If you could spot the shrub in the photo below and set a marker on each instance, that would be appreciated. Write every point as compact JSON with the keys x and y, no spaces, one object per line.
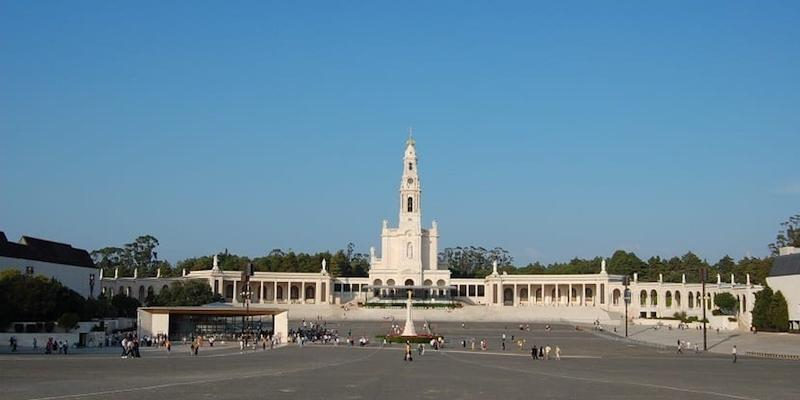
{"x":779,"y":312}
{"x":726,"y":303}
{"x":68,"y":321}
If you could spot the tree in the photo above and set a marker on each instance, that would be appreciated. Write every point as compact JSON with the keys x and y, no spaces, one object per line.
{"x":779,"y":312}
{"x":726,"y":303}
{"x":189,"y":293}
{"x":472,"y":261}
{"x":788,"y":236}
{"x":624,"y":263}
{"x":68,"y":321}
{"x":761,"y":309}
{"x":125,"y":306}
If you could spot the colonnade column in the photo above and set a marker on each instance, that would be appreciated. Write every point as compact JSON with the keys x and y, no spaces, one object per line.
{"x":569,"y":295}
{"x":531,"y":295}
{"x":558,"y":294}
{"x":261,"y":296}
{"x":542,"y":293}
{"x":583,"y":294}
{"x":235,"y":291}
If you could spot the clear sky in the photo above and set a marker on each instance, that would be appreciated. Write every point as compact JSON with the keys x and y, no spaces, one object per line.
{"x":552,"y":130}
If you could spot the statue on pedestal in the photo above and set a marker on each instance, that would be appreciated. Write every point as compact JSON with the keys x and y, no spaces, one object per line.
{"x":408,"y":329}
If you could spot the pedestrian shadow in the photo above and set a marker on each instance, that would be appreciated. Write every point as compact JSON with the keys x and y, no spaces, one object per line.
{"x":723,"y":340}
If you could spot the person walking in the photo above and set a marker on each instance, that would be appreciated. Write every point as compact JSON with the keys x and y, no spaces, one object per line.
{"x":733,"y":352}
{"x":534,"y":352}
{"x":558,"y":353}
{"x":547,"y":350}
{"x":407,"y":352}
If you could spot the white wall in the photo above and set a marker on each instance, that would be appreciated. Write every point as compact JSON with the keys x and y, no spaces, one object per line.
{"x":75,"y":278}
{"x":789,"y":285}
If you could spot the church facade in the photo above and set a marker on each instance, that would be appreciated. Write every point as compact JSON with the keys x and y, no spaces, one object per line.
{"x":408,"y":261}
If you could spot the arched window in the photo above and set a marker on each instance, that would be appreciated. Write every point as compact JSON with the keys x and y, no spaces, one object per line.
{"x":409,"y":282}
{"x":410,"y":203}
{"x":677,"y":298}
{"x":294,"y":293}
{"x":643,"y":298}
{"x":279,"y":292}
{"x":410,"y":166}
{"x":310,"y":292}
{"x":691,"y":300}
{"x":409,"y":250}
{"x":615,"y":297}
{"x":668,"y":299}
{"x":653,"y":298}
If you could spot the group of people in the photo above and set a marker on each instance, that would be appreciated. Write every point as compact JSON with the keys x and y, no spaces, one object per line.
{"x":130,"y":346}
{"x":687,"y":345}
{"x":52,"y":345}
{"x":543,"y":352}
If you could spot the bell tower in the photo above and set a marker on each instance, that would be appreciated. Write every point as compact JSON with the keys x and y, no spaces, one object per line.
{"x":410,"y":191}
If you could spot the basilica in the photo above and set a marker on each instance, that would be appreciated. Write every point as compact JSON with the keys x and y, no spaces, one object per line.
{"x":408,"y":262}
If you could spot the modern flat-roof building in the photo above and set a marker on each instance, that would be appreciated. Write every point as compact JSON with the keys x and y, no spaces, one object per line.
{"x":72,"y":267}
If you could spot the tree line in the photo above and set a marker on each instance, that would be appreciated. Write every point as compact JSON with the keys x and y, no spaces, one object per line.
{"x":462,"y":261}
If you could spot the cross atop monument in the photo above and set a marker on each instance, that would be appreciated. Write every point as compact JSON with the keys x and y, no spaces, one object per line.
{"x":411,"y":140}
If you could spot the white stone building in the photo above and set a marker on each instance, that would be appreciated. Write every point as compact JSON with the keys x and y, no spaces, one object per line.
{"x":70,"y":266}
{"x":785,"y":276}
{"x":408,"y":260}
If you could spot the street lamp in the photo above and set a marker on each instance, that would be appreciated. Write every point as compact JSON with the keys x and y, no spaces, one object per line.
{"x":246,"y":294}
{"x":703,"y":277}
{"x":627,"y":296}
{"x":91,"y":286}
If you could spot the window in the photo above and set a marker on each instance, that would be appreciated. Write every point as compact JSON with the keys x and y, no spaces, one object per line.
{"x":410,"y":207}
{"x":410,"y":166}
{"x":471,"y":290}
{"x":337,"y":287}
{"x":409,"y":250}
{"x":481,"y":290}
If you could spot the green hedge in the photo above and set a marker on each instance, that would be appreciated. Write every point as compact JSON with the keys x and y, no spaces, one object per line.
{"x":401,"y":339}
{"x":403,"y":305}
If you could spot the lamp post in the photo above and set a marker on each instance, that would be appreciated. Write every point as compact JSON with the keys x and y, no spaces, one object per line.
{"x":91,"y":286}
{"x":246,"y":294}
{"x":703,"y":276}
{"x":626,"y":296}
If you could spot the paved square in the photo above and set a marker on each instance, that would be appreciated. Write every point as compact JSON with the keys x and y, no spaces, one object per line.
{"x":592,"y":367}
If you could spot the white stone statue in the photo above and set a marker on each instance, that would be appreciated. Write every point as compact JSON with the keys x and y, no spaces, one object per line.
{"x":215,"y":263}
{"x":494,"y":267}
{"x":136,"y":272}
{"x":603,"y":266}
{"x":324,"y":264}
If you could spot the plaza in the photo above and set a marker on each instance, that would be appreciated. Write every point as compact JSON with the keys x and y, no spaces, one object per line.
{"x":592,"y":366}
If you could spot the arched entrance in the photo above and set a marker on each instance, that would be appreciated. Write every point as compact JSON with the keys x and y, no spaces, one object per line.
{"x":508,"y":297}
{"x":310,"y":292}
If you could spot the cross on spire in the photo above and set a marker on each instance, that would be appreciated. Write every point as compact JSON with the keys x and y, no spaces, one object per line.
{"x":410,"y":140}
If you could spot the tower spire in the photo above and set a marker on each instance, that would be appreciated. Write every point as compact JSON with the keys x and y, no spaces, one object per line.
{"x":411,"y":141}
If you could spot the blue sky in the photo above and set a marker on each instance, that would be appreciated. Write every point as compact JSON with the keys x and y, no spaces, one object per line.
{"x":552,"y":130}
